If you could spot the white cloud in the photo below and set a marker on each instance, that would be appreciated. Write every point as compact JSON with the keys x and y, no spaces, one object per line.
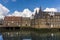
{"x":16,"y":13}
{"x":1,"y":17}
{"x":28,"y":13}
{"x":36,"y":9}
{"x":50,"y":10}
{"x":3,"y":11}
{"x":24,"y":13}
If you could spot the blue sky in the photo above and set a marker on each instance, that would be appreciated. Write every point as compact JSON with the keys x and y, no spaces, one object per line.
{"x":19,"y":5}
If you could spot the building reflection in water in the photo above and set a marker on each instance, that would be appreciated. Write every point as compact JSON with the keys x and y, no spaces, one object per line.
{"x":31,"y":36}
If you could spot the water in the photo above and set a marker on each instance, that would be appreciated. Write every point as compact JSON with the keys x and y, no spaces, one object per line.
{"x":42,"y":34}
{"x":1,"y":38}
{"x":31,"y":36}
{"x":49,"y":36}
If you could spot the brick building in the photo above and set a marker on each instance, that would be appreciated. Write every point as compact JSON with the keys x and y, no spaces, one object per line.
{"x":26,"y":22}
{"x":12,"y":21}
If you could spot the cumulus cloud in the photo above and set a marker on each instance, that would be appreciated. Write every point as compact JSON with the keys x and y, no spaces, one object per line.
{"x":3,"y":11}
{"x":16,"y":13}
{"x":24,"y":13}
{"x":1,"y":17}
{"x":36,"y":9}
{"x":28,"y":13}
{"x":50,"y":10}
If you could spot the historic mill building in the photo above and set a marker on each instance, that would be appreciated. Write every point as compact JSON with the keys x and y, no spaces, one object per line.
{"x":20,"y":28}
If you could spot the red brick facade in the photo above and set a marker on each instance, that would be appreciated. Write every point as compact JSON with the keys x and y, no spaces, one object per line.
{"x":13,"y":21}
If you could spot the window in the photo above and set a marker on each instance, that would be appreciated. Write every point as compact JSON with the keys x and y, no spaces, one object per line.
{"x":29,"y":24}
{"x":26,"y":24}
{"x":47,"y":23}
{"x":8,"y":23}
{"x":12,"y":22}
{"x":51,"y":25}
{"x":19,"y":25}
{"x":51,"y":16}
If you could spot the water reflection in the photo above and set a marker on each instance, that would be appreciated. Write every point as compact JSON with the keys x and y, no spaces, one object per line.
{"x":1,"y":38}
{"x":31,"y":36}
{"x":52,"y":34}
{"x":27,"y":39}
{"x":48,"y":36}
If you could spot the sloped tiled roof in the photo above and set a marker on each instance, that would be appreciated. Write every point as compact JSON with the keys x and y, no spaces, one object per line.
{"x":12,"y":18}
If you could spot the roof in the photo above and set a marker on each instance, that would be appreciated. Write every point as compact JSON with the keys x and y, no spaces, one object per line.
{"x":56,"y":13}
{"x":12,"y":18}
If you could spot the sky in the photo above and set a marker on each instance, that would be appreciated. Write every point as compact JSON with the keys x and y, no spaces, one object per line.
{"x":20,"y":5}
{"x":26,"y":8}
